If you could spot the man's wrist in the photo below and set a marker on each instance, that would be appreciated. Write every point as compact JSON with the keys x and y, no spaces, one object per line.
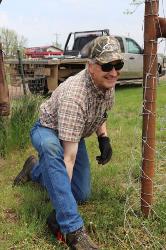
{"x":102,"y":135}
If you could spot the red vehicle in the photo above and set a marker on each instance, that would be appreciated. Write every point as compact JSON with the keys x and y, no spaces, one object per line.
{"x":43,"y":52}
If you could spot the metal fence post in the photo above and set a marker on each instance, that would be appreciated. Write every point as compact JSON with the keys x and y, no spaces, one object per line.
{"x":21,"y":71}
{"x":154,"y":27}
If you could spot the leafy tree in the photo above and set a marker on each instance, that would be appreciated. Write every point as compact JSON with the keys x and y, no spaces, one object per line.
{"x":11,"y":42}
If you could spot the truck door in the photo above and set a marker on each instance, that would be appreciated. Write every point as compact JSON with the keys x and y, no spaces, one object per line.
{"x":134,"y":59}
{"x":124,"y":71}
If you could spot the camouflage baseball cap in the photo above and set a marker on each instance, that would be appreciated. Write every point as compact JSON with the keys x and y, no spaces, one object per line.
{"x":105,"y":49}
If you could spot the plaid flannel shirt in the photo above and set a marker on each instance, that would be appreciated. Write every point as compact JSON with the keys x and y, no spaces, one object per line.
{"x":77,"y":108}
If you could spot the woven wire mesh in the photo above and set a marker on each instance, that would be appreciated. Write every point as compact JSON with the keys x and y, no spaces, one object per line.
{"x":32,"y":81}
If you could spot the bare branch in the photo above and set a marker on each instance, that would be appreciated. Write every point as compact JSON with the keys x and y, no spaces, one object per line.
{"x":134,"y":4}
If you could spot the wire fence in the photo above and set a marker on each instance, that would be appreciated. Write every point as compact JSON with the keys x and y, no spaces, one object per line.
{"x":32,"y":81}
{"x":132,"y":215}
{"x":149,"y":238}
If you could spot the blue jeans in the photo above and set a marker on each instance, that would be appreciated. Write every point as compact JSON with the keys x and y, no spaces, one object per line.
{"x":51,"y":173}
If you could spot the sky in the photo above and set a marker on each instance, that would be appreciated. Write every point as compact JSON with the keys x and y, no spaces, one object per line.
{"x":44,"y":21}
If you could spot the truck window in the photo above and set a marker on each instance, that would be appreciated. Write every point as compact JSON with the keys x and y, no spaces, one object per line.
{"x":121,"y":43}
{"x":133,"y":47}
{"x":70,"y":43}
{"x":80,"y":42}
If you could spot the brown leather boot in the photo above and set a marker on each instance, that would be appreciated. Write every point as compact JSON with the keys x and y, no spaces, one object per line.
{"x":24,"y":175}
{"x":79,"y":240}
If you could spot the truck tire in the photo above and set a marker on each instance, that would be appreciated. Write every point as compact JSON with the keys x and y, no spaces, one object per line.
{"x":38,"y":86}
{"x":160,"y":71}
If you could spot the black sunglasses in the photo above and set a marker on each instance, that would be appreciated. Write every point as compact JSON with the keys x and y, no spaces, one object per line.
{"x":109,"y":66}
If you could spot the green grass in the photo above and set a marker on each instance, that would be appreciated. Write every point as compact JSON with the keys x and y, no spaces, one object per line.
{"x":114,"y":208}
{"x":14,"y":133}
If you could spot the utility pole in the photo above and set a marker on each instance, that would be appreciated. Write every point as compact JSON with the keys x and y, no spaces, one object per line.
{"x":56,"y":39}
{"x":154,"y":27}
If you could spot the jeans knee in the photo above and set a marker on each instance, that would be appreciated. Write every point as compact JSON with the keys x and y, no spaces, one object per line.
{"x":51,"y":148}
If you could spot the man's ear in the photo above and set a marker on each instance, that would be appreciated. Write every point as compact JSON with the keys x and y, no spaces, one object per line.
{"x":90,"y":67}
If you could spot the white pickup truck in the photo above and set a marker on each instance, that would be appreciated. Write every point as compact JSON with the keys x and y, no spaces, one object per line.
{"x":133,"y":56}
{"x":43,"y":75}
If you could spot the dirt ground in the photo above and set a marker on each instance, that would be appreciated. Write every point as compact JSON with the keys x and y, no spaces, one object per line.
{"x":1,"y":163}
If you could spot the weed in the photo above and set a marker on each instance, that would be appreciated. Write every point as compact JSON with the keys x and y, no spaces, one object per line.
{"x":14,"y":131}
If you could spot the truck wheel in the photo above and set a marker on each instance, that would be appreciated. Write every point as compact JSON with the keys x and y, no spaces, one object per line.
{"x":38,"y":86}
{"x":160,"y":70}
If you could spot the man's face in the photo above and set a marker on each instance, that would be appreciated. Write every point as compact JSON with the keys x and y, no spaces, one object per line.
{"x":104,"y":80}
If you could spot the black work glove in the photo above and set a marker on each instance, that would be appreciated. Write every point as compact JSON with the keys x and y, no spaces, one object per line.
{"x":105,"y":149}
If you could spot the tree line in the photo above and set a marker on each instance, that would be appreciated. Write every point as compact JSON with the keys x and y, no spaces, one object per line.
{"x":11,"y":42}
